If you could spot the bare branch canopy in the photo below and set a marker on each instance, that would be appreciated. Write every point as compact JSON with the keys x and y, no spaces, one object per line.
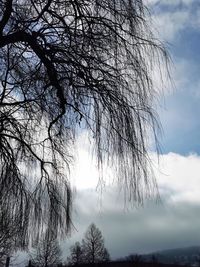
{"x":69,"y":66}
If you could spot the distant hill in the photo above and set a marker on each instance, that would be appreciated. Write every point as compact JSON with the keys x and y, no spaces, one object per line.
{"x":188,"y":255}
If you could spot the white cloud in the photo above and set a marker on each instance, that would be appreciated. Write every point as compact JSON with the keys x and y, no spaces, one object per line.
{"x":170,"y":2}
{"x":170,"y":24}
{"x":85,"y":173}
{"x":181,"y":176}
{"x":171,"y":17}
{"x":174,"y":173}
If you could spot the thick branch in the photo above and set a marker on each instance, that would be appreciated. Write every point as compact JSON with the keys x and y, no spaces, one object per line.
{"x":6,"y":15}
{"x":22,"y":36}
{"x":44,"y":9}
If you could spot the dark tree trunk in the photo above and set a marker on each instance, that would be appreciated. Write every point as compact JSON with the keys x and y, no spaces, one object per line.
{"x":7,"y":261}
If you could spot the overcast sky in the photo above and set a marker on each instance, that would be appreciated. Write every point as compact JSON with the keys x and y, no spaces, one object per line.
{"x":174,"y":222}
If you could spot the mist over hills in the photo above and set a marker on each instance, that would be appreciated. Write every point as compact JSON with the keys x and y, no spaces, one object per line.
{"x":186,"y":255}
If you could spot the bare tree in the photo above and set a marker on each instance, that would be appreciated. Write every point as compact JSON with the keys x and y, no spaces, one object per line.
{"x":135,"y":258}
{"x":65,"y":66}
{"x":106,"y":255}
{"x":76,"y":254}
{"x":10,"y":234}
{"x":47,"y":252}
{"x":93,"y":246}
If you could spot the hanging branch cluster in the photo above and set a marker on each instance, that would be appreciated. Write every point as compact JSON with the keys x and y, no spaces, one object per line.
{"x":9,"y":234}
{"x":67,"y":65}
{"x":47,"y":252}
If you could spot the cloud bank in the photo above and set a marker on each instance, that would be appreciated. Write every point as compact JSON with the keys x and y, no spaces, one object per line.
{"x":170,"y":223}
{"x":174,"y":221}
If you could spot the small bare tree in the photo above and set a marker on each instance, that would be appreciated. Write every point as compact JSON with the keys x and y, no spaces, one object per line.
{"x":93,"y":246}
{"x":106,"y":255}
{"x":47,"y":252}
{"x":135,"y":258}
{"x":76,"y":254}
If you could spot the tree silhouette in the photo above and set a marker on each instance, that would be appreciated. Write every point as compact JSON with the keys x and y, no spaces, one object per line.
{"x":198,"y":259}
{"x":47,"y":252}
{"x":66,"y":66}
{"x":106,"y":255}
{"x":76,"y":254}
{"x":154,"y":259}
{"x":135,"y":259}
{"x":10,"y":234}
{"x":93,"y":246}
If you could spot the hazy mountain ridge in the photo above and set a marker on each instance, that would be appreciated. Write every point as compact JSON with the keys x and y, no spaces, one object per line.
{"x":186,"y":255}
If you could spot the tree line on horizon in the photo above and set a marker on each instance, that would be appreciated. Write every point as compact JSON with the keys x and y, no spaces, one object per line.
{"x":91,"y":250}
{"x":48,"y":253}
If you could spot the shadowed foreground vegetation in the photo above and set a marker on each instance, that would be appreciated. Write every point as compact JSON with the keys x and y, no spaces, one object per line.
{"x":118,"y":264}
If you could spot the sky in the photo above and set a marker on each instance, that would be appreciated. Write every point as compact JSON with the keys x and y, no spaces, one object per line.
{"x":179,"y":24}
{"x":174,"y":221}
